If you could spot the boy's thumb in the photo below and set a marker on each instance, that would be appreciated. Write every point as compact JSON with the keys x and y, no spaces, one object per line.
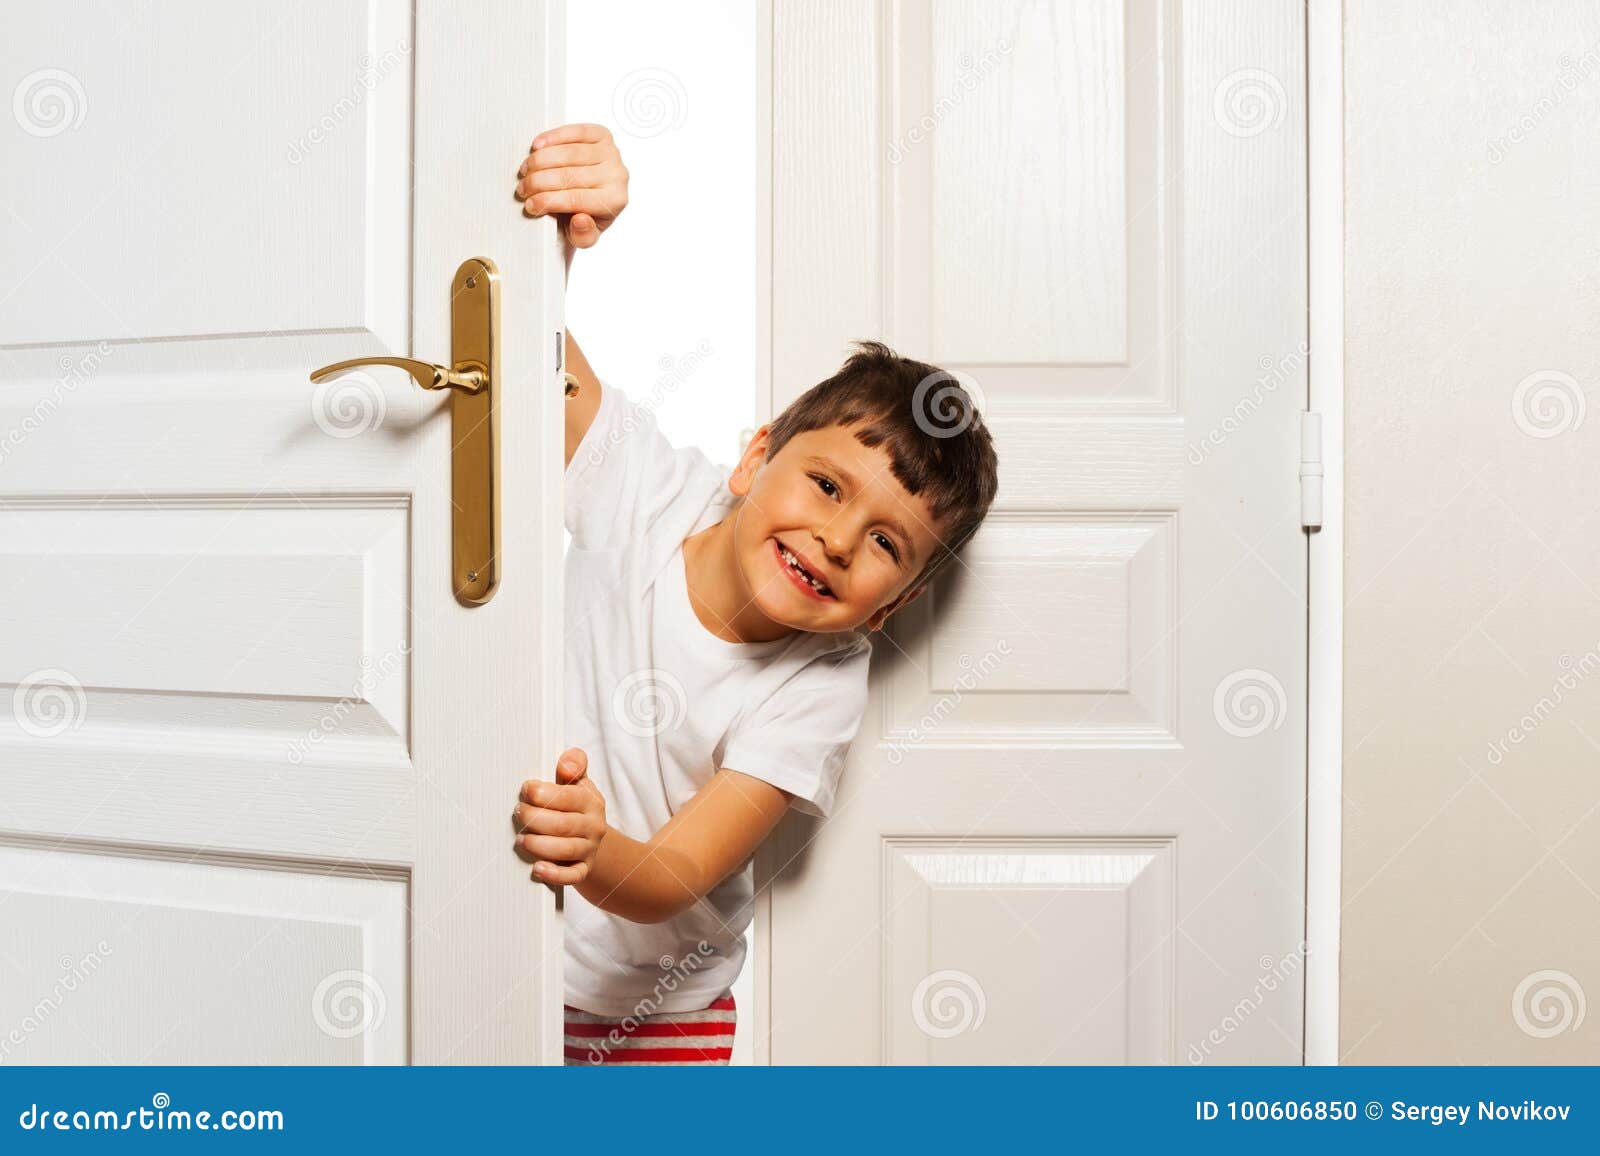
{"x":571,"y":768}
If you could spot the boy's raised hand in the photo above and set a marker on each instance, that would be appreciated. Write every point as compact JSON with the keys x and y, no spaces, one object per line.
{"x":560,"y":824}
{"x":576,"y":172}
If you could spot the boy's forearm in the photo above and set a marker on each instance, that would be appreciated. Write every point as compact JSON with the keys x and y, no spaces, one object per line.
{"x":642,"y":882}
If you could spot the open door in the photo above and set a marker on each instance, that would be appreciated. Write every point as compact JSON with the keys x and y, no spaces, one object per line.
{"x":257,"y":759}
{"x":1072,"y":828}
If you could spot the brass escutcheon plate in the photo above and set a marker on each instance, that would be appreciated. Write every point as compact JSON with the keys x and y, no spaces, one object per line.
{"x":475,"y":433}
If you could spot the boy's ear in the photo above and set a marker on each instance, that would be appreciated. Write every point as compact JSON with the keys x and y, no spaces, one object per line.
{"x":881,"y":615}
{"x":750,"y":461}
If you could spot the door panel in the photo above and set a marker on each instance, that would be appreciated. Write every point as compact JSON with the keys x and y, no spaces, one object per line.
{"x":1072,"y":825}
{"x":258,"y":762}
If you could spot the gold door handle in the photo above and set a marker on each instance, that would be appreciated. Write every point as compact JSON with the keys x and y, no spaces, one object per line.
{"x":473,"y":379}
{"x":427,"y":374}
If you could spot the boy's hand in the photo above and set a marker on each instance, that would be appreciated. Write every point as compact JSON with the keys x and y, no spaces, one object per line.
{"x":561,"y":823}
{"x":576,"y":172}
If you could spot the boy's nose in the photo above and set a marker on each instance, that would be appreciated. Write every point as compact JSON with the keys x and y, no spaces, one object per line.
{"x":833,"y":540}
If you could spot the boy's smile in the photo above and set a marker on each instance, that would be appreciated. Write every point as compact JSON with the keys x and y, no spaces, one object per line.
{"x":825,"y":505}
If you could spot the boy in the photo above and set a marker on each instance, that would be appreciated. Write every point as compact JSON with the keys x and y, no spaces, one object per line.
{"x":716,"y":657}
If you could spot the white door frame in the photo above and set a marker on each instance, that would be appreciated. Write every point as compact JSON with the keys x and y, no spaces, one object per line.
{"x":1325,"y":576}
{"x":1325,"y":573}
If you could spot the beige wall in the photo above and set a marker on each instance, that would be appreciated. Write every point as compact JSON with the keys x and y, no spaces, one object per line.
{"x":1472,"y":681}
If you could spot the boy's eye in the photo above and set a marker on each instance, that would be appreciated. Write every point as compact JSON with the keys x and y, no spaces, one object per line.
{"x":889,"y":546}
{"x":825,"y":485}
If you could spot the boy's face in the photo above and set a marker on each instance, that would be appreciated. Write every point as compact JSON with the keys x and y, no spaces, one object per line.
{"x":836,"y":506}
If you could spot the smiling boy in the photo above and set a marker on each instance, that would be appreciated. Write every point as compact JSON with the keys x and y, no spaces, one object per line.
{"x":716,"y":646}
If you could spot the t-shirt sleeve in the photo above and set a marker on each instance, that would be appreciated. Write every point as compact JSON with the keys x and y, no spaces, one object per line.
{"x":625,"y":474}
{"x":798,"y":738}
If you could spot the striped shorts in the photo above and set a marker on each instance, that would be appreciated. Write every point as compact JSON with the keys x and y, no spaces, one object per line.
{"x":687,"y":1037}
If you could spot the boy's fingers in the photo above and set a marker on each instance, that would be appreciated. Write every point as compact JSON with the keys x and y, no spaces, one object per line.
{"x":557,"y":874}
{"x":552,"y":847}
{"x":557,"y":796}
{"x":569,"y":133}
{"x":596,"y":202}
{"x":548,"y":821}
{"x":568,"y":177}
{"x":560,"y":156}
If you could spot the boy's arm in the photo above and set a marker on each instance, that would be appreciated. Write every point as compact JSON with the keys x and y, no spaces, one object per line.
{"x":576,"y":172}
{"x":562,"y":826}
{"x":700,"y":846}
{"x":580,"y":410}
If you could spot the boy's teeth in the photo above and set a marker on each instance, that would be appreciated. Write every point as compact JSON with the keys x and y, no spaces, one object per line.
{"x":794,"y":563}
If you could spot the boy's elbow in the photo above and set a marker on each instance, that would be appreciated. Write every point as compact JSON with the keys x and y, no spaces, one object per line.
{"x":664,"y":912}
{"x":646,"y":908}
{"x":654,"y":910}
{"x":673,"y":904}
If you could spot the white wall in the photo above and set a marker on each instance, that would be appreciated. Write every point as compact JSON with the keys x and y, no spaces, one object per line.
{"x":664,"y":305}
{"x":1472,"y":612}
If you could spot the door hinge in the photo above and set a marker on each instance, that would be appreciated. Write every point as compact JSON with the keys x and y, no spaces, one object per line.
{"x":1310,"y":470}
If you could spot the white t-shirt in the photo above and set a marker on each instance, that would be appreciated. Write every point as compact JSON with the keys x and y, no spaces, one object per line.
{"x":658,"y":703}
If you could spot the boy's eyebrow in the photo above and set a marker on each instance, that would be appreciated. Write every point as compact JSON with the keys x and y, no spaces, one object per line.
{"x":850,"y":480}
{"x":830,"y":464}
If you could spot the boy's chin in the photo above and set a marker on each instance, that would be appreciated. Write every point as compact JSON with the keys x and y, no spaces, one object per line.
{"x":825,"y":617}
{"x":818,"y":618}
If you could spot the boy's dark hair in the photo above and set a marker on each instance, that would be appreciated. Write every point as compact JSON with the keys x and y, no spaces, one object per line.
{"x":938,"y":445}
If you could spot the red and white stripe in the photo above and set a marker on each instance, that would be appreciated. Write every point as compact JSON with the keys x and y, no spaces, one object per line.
{"x":690,"y":1037}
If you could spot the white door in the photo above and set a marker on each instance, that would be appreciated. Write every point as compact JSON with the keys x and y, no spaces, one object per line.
{"x":257,"y":763}
{"x":1072,"y":830}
